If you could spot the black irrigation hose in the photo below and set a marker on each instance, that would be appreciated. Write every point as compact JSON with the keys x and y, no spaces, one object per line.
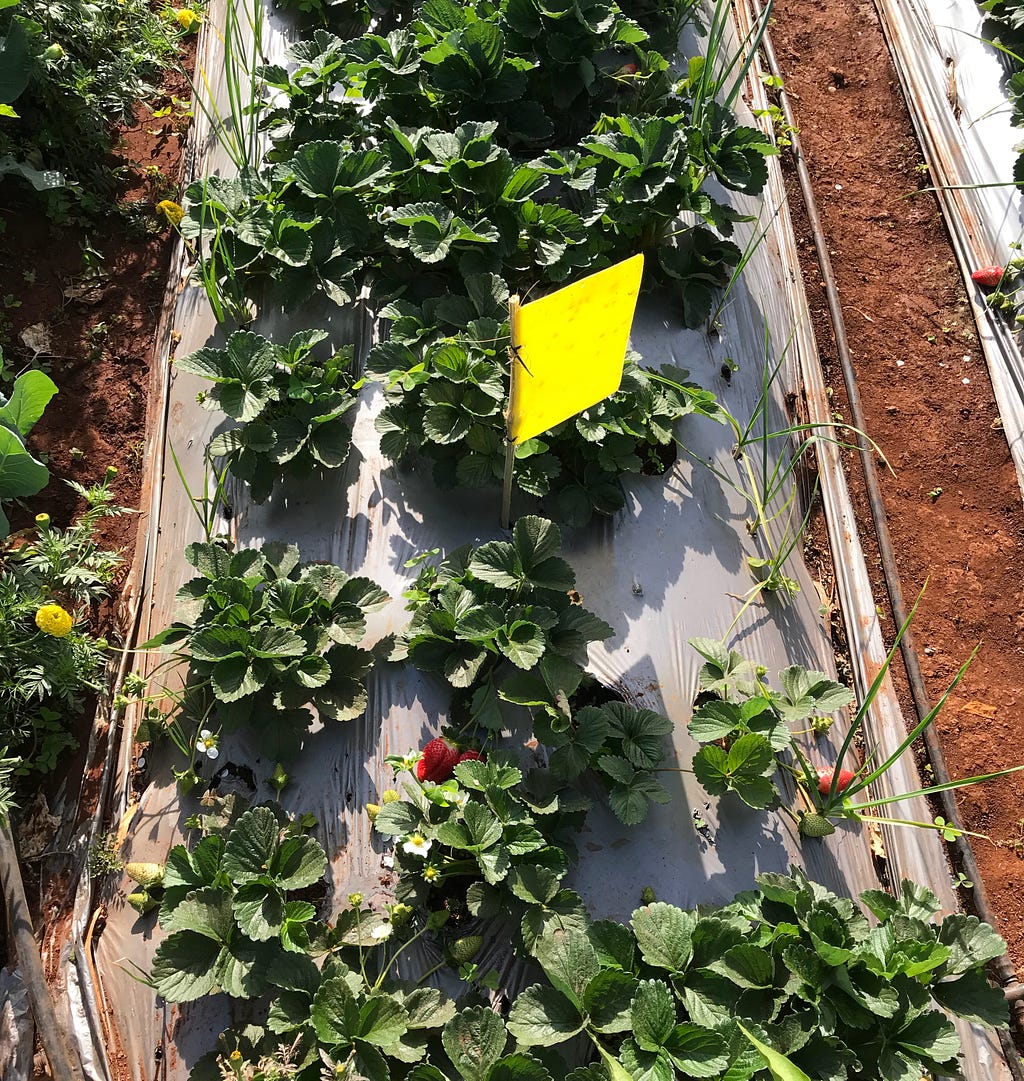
{"x":59,"y":1050}
{"x":964,"y":856}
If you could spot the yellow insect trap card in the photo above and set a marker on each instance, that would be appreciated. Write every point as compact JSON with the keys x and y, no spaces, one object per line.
{"x":569,"y":348}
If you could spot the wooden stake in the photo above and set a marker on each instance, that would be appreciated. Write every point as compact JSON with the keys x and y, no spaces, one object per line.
{"x":510,"y":447}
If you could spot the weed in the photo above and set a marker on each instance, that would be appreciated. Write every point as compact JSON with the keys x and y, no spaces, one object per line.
{"x":103,"y":856}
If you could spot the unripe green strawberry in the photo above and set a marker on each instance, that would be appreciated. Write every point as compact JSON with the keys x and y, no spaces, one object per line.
{"x":146,"y":874}
{"x":466,"y":948}
{"x":815,"y":825}
{"x":142,"y":901}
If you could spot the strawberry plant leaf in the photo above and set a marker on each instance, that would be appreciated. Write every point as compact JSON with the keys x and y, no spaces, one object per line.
{"x":746,"y":965}
{"x":608,"y":1000}
{"x":300,"y":861}
{"x":252,"y":845}
{"x":809,"y":692}
{"x":522,"y":642}
{"x":653,"y":1015}
{"x":973,"y":998}
{"x":569,"y":961}
{"x":541,"y":1017}
{"x":971,"y":943}
{"x":664,"y":934}
{"x":474,"y":1040}
{"x":185,"y":966}
{"x":335,"y":1012}
{"x":259,"y":910}
{"x":382,"y":1020}
{"x":203,"y":912}
{"x":697,"y":1052}
{"x":399,"y":818}
{"x":518,"y":1067}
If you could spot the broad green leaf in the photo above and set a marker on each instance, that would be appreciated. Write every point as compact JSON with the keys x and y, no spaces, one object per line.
{"x":427,"y":1007}
{"x":608,"y":1000}
{"x":973,"y":998}
{"x":696,"y":1051}
{"x":20,"y":473}
{"x":569,"y":962}
{"x":746,"y":965}
{"x":478,"y":830}
{"x":518,"y":1067}
{"x":523,"y":643}
{"x":972,"y":943}
{"x":541,"y":1017}
{"x":496,"y":562}
{"x":653,"y":1015}
{"x":300,"y":862}
{"x":930,"y":1036}
{"x":382,"y":1020}
{"x":234,"y":678}
{"x":399,"y":818}
{"x":664,"y":935}
{"x":259,"y":910}
{"x":185,"y":966}
{"x":474,"y":1040}
{"x":533,"y":884}
{"x":30,"y":395}
{"x":242,"y":967}
{"x":714,"y":721}
{"x":614,"y":944}
{"x":252,"y":845}
{"x":335,"y":1012}
{"x":204,"y":912}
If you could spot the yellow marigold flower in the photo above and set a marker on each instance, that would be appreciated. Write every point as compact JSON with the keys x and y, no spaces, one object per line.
{"x":186,"y":18}
{"x":52,"y":619}
{"x":170,"y":210}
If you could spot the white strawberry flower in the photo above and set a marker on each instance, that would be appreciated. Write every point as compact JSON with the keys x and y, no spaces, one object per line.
{"x":417,"y":845}
{"x":382,"y":931}
{"x":207,"y":744}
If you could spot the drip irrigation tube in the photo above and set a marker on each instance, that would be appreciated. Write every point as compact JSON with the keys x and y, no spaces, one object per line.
{"x":63,"y":1062}
{"x":964,"y":856}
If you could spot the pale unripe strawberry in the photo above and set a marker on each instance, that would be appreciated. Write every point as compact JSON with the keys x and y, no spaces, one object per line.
{"x":146,"y":874}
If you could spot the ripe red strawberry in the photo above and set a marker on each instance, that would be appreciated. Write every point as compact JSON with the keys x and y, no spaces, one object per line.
{"x":988,"y":277}
{"x":438,"y":761}
{"x":825,"y":779}
{"x":477,"y":756}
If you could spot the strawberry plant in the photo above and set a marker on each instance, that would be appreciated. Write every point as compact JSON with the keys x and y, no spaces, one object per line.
{"x":745,"y":726}
{"x":681,"y":993}
{"x":290,"y":407}
{"x":266,"y":640}
{"x":501,"y":605}
{"x":230,"y":910}
{"x":487,"y":843}
{"x":786,"y":978}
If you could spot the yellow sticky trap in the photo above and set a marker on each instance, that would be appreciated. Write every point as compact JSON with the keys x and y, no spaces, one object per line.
{"x":570,"y":347}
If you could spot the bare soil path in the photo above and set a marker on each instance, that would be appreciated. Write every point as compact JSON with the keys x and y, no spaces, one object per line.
{"x":954,"y":506}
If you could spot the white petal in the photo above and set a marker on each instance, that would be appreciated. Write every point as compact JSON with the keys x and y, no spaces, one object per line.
{"x":205,"y":734}
{"x":200,"y":746}
{"x":212,"y":752}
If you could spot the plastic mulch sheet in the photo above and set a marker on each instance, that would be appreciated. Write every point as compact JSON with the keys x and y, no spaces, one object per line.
{"x":665,"y":569}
